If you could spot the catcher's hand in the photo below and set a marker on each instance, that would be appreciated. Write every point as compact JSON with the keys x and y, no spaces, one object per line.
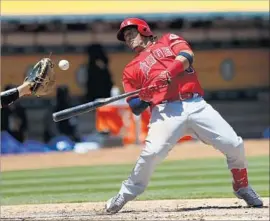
{"x":42,"y":78}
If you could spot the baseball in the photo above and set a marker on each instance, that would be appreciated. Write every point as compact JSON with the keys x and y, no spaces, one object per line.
{"x":63,"y":65}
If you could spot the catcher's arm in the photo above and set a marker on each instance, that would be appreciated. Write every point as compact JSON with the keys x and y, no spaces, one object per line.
{"x":9,"y":96}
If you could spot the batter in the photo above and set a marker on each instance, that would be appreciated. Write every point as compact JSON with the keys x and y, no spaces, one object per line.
{"x":164,"y":69}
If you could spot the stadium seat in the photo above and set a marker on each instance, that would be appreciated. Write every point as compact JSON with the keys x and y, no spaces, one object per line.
{"x":61,"y":143}
{"x":9,"y":145}
{"x":33,"y":146}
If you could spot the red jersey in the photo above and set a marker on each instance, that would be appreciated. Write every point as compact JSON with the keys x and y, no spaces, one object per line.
{"x":157,"y":57}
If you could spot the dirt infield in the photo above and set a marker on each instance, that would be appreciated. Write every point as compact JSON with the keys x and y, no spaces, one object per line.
{"x":203,"y":209}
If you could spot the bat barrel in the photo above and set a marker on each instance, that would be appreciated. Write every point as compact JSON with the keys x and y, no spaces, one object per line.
{"x":73,"y":111}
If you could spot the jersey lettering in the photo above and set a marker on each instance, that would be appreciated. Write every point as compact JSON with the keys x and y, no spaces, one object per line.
{"x":163,"y":52}
{"x":145,"y":68}
{"x":167,"y":51}
{"x":146,"y":65}
{"x":150,"y":60}
{"x":158,"y":53}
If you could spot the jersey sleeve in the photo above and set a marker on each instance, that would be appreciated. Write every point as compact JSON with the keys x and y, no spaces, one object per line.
{"x":129,"y":84}
{"x":177,"y":43}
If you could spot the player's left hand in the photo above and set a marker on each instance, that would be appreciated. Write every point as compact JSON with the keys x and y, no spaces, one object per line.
{"x":162,"y":80}
{"x":147,"y":94}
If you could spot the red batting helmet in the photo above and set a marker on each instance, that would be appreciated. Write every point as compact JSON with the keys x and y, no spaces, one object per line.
{"x":142,"y":27}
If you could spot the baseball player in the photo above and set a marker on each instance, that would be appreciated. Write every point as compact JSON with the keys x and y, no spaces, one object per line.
{"x":164,"y":69}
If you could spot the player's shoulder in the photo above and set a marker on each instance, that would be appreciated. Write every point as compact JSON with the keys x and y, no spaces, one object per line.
{"x":129,"y":67}
{"x":170,"y":37}
{"x":132,"y":61}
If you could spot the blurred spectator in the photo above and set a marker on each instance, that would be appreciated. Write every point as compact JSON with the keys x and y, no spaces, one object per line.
{"x":14,"y":119}
{"x":99,"y":82}
{"x":65,"y":127}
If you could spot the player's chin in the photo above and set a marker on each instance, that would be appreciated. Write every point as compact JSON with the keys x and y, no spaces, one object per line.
{"x":137,"y":48}
{"x":133,"y":46}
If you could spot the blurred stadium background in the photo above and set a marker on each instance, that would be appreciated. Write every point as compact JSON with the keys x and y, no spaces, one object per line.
{"x":230,"y":41}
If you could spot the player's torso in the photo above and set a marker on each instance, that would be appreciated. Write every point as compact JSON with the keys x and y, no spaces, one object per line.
{"x":152,"y":61}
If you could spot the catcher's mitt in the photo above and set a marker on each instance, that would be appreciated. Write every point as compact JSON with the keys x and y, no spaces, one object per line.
{"x":42,"y":77}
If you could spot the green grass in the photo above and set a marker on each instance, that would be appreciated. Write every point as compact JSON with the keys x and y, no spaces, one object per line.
{"x":207,"y":178}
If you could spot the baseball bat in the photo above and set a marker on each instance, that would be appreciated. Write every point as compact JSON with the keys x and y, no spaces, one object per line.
{"x":87,"y":107}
